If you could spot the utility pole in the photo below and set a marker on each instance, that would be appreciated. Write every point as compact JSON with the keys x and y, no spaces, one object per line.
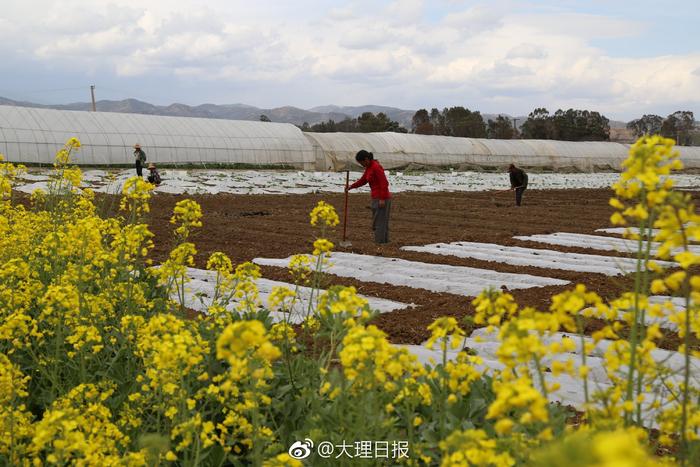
{"x":515,"y":127}
{"x":92,"y":92}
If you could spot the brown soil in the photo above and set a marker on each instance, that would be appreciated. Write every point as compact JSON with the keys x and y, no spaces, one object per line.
{"x":276,"y":226}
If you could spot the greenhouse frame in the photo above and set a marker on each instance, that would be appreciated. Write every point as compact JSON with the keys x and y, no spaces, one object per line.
{"x":33,"y":135}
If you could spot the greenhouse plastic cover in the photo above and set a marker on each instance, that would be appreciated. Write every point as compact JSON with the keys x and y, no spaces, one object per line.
{"x":33,"y":135}
{"x":397,"y":150}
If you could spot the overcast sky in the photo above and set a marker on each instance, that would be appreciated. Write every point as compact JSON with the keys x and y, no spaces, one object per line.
{"x":622,"y":58}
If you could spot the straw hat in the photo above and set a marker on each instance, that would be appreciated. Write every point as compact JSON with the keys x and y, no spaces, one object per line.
{"x":151,"y":165}
{"x":137,"y":146}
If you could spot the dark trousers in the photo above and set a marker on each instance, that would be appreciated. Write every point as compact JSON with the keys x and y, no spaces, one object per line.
{"x":380,"y":221}
{"x":519,"y":195}
{"x":139,"y":168}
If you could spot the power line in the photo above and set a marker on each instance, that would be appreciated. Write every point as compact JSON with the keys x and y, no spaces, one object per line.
{"x":42,"y":91}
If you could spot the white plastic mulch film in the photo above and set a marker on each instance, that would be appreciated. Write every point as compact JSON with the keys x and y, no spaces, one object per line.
{"x":31,"y":135}
{"x":570,"y":392}
{"x":200,"y":291}
{"x":534,"y":257}
{"x":596,"y":242}
{"x":336,"y":151}
{"x":458,"y":280}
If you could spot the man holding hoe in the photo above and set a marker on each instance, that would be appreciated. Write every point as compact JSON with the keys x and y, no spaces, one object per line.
{"x":518,"y":182}
{"x":381,"y":198}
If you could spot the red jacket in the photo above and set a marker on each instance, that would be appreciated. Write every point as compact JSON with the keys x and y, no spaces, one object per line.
{"x":374,"y":175}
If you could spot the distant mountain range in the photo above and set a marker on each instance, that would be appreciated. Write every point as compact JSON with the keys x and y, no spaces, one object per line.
{"x":286,"y":114}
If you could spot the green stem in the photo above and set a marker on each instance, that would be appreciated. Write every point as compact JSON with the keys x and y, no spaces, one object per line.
{"x":686,"y":354}
{"x":288,"y":357}
{"x":580,"y":326}
{"x":12,"y":417}
{"x":540,"y":375}
{"x":647,"y":233}
{"x":331,"y":351}
{"x":316,"y":284}
{"x":634,"y":332}
{"x":686,"y":377}
{"x":443,"y":390}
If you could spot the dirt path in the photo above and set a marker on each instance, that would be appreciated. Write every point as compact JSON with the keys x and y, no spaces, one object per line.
{"x":276,"y":226}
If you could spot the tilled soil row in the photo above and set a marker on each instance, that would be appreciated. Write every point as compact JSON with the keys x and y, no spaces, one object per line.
{"x":275,"y":226}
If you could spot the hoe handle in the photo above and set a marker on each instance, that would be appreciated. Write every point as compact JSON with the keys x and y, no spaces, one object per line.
{"x":345,"y":211}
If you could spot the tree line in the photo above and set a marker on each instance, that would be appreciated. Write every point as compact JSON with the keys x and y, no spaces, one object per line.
{"x":365,"y":123}
{"x":679,"y":125}
{"x":564,"y":125}
{"x":567,"y":125}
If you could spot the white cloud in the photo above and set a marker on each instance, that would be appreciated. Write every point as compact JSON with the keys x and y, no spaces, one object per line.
{"x":404,"y":11}
{"x":582,"y":25}
{"x":86,"y":20}
{"x":367,"y":38}
{"x":112,"y":41}
{"x":527,"y":51}
{"x":341,"y":14}
{"x":410,"y":50}
{"x":476,"y":19}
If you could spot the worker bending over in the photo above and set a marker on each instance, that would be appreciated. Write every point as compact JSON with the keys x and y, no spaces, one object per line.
{"x":518,"y":182}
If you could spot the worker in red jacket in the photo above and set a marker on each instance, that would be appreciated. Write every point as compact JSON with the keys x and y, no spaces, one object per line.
{"x":381,"y":198}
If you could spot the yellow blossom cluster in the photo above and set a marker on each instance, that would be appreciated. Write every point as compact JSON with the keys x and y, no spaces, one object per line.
{"x":77,"y":429}
{"x":324,"y":214}
{"x":281,"y":298}
{"x":136,"y":193}
{"x":246,"y":347}
{"x":300,"y":269}
{"x":473,"y":448}
{"x":447,"y":331}
{"x":282,"y":333}
{"x":585,"y":447}
{"x":370,"y":361}
{"x":460,"y":373}
{"x":343,"y":302}
{"x":170,"y":352}
{"x":15,"y":420}
{"x":8,"y":178}
{"x":246,"y":289}
{"x":491,"y":307}
{"x":187,"y":215}
{"x":645,"y":183}
{"x":322,"y":246}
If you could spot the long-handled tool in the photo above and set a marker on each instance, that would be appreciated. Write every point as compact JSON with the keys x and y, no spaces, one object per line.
{"x":493,"y":200}
{"x":345,"y":243}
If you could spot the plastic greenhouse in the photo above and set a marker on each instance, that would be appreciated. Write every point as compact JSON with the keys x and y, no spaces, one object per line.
{"x":336,"y":151}
{"x":32,"y":136}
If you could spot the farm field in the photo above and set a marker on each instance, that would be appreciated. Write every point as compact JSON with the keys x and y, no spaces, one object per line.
{"x":247,"y":227}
